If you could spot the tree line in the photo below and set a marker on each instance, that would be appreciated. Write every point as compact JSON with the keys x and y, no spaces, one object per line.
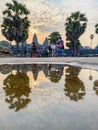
{"x":15,"y":26}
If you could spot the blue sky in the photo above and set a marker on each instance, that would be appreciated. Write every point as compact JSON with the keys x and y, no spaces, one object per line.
{"x":49,"y":15}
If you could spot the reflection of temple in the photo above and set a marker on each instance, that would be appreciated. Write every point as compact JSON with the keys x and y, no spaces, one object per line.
{"x":54,"y":71}
{"x":34,"y":68}
{"x":38,"y":67}
{"x":16,"y":85}
{"x":74,"y":87}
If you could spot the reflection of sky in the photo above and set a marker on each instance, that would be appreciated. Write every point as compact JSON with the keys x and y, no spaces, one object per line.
{"x":49,"y":109}
{"x":49,"y":15}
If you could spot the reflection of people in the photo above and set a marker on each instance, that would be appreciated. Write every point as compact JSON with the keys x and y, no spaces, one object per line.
{"x":55,"y":72}
{"x":53,"y":69}
{"x":49,"y":50}
{"x":74,"y":87}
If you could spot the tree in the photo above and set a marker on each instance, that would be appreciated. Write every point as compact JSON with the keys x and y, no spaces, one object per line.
{"x":53,"y":37}
{"x":15,"y":22}
{"x":75,"y":26}
{"x":96,"y":28}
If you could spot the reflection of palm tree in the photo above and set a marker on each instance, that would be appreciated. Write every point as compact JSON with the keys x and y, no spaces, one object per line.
{"x":55,"y":73}
{"x":74,"y":87}
{"x":96,"y":87}
{"x":17,"y":90}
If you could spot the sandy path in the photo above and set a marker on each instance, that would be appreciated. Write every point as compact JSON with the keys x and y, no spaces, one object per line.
{"x":85,"y":62}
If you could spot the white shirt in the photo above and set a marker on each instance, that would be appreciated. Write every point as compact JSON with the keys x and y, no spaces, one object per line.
{"x":53,"y":46}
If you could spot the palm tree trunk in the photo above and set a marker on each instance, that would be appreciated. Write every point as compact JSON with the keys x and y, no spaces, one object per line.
{"x":74,"y":48}
{"x":17,"y":44}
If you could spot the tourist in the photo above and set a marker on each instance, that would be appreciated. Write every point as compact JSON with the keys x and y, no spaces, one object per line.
{"x":53,"y":49}
{"x":49,"y":50}
{"x":34,"y":49}
{"x":60,"y":46}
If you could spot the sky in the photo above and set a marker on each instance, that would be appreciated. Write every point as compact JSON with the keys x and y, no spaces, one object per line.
{"x":48,"y":16}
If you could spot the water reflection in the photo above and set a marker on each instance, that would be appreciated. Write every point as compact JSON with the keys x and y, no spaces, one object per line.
{"x":96,"y":86}
{"x":90,"y":76}
{"x":16,"y":87}
{"x":17,"y":83}
{"x":55,"y":72}
{"x":52,"y":94}
{"x":5,"y":69}
{"x":39,"y":67}
{"x":74,"y":87}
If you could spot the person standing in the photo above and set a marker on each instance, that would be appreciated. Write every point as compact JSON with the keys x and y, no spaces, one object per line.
{"x":34,"y":49}
{"x":53,"y":49}
{"x":60,"y":46}
{"x":49,"y":50}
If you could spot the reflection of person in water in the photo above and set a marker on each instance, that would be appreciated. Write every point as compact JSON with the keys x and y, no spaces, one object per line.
{"x":74,"y":87}
{"x":17,"y":90}
{"x":55,"y":72}
{"x":96,"y":87}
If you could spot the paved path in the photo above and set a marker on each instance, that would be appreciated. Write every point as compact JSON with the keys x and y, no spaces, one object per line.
{"x":57,"y":60}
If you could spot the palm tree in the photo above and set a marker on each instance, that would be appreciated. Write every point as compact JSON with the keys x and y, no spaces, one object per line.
{"x":75,"y":26}
{"x":53,"y":37}
{"x":96,"y":28}
{"x":15,"y":22}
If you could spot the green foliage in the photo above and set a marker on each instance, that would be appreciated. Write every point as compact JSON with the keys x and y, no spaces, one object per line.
{"x":15,"y":22}
{"x":96,"y":28}
{"x":75,"y":26}
{"x":53,"y":37}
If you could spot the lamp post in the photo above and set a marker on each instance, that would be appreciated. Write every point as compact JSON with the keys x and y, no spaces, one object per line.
{"x":91,"y":37}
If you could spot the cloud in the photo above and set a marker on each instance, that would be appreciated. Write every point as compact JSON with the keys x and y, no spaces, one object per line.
{"x":50,"y":15}
{"x":45,"y":16}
